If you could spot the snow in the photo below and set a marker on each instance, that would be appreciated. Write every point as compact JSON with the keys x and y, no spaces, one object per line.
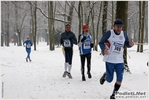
{"x":42,"y":78}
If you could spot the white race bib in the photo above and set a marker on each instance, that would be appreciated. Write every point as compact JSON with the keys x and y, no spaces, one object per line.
{"x":87,"y":45}
{"x":28,"y":45}
{"x":117,"y":47}
{"x":67,"y":43}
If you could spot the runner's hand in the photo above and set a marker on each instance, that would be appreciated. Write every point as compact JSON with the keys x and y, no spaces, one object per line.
{"x":131,"y":43}
{"x":106,"y":52}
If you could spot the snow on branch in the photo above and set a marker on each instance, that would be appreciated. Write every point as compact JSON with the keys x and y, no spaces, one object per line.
{"x":45,"y":14}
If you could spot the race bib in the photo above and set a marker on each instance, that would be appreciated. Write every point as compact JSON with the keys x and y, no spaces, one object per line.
{"x":67,"y":43}
{"x":117,"y":47}
{"x":87,"y":45}
{"x":28,"y":45}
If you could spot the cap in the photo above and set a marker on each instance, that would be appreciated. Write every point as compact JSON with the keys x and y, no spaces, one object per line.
{"x":118,"y":22}
{"x":85,"y":27}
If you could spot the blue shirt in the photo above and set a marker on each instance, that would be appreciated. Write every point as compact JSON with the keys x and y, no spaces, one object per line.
{"x":85,"y":47}
{"x":28,"y":44}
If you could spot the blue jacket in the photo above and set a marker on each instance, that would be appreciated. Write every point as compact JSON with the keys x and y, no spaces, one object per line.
{"x":28,"y":44}
{"x":107,"y":35}
{"x":85,"y":47}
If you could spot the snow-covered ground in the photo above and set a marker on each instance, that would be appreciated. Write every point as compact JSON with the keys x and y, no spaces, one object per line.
{"x":42,"y":78}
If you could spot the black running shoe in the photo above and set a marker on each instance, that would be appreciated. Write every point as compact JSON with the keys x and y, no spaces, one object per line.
{"x":69,"y":75}
{"x":112,"y":97}
{"x":102,"y":79}
{"x":83,"y":78}
{"x":65,"y":73}
{"x":89,"y":75}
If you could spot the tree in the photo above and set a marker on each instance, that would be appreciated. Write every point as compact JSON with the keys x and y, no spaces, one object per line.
{"x":80,"y":15}
{"x":7,"y":25}
{"x":51,"y":25}
{"x":139,"y":35}
{"x":122,"y":13}
{"x":104,"y":20}
{"x":97,"y":29}
{"x":142,"y":26}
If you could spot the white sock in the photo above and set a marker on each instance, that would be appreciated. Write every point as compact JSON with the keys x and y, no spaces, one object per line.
{"x":66,"y":65}
{"x":69,"y":68}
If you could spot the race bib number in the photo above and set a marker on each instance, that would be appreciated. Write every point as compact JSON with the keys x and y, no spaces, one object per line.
{"x":87,"y":45}
{"x":28,"y":45}
{"x":67,"y":43}
{"x":117,"y":47}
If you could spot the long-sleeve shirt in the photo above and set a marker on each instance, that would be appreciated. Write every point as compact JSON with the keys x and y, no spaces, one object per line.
{"x":28,"y":44}
{"x":115,"y":44}
{"x":68,"y":39}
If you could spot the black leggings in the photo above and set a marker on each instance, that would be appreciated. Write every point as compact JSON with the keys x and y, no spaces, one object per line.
{"x":88,"y":57}
{"x":68,"y":55}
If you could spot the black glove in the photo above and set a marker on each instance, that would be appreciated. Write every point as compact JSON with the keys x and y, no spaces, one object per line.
{"x":92,"y":45}
{"x":83,"y":39}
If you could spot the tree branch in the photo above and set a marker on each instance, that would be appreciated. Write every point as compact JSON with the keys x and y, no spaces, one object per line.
{"x":45,"y":14}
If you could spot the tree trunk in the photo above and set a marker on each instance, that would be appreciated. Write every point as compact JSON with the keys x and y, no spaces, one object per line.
{"x":142,"y":26}
{"x":122,"y":13}
{"x":71,"y":12}
{"x":2,"y":33}
{"x":50,"y":24}
{"x":113,"y":15}
{"x":104,"y":20}
{"x":97,"y":29}
{"x":16,"y":25}
{"x":7,"y":32}
{"x":92,"y":25}
{"x":35,"y":26}
{"x":80,"y":16}
{"x":2,"y":40}
{"x":19,"y":37}
{"x":139,"y":35}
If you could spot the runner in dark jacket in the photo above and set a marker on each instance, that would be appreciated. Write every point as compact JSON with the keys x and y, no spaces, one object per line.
{"x":67,"y":40}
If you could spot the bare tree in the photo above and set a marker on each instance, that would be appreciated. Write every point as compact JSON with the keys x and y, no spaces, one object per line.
{"x":71,"y":6}
{"x":142,"y":26}
{"x":104,"y":19}
{"x":139,"y":35}
{"x":80,"y":15}
{"x":97,"y":29}
{"x":50,"y":25}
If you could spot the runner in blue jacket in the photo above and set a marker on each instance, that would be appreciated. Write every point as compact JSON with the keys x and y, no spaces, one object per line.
{"x":27,"y":44}
{"x":85,"y":47}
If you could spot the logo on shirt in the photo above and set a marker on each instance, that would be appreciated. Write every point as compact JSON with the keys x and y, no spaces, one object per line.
{"x":120,"y":37}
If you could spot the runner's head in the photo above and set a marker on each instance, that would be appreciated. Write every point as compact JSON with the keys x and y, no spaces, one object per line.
{"x":118,"y":25}
{"x":28,"y":38}
{"x":85,"y":28}
{"x":67,"y":27}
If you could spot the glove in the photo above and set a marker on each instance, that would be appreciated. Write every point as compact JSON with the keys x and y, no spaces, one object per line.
{"x":83,"y":39}
{"x":63,"y":48}
{"x":91,"y":45}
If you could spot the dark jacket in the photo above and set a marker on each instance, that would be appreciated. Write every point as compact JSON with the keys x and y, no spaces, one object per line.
{"x":68,"y":39}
